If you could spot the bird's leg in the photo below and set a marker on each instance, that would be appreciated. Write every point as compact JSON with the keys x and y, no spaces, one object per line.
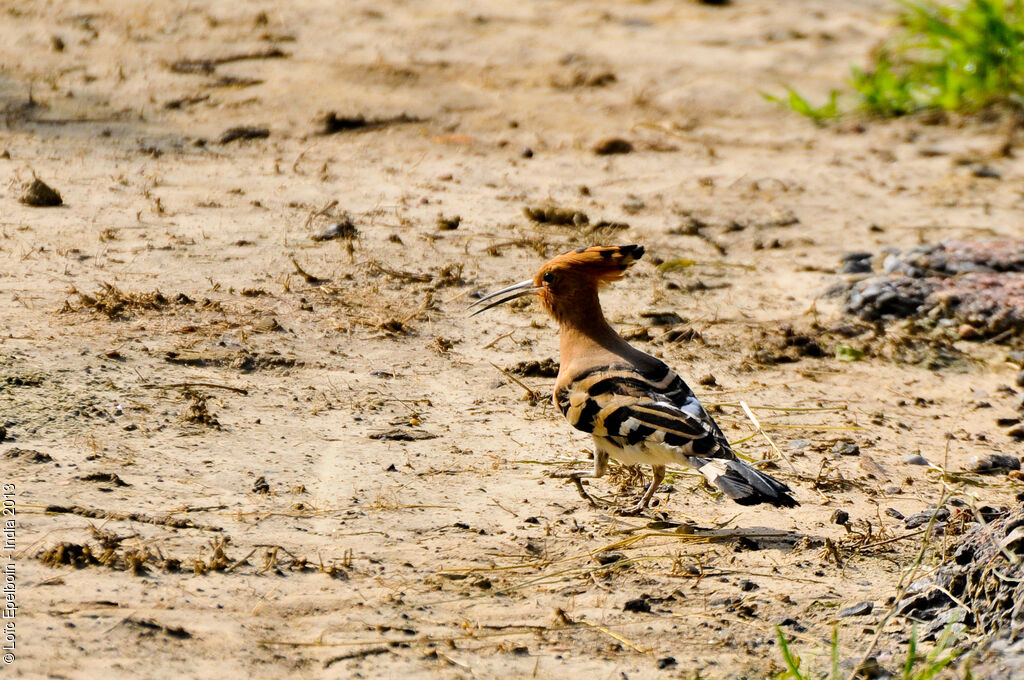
{"x":659,"y":476}
{"x":600,"y":466}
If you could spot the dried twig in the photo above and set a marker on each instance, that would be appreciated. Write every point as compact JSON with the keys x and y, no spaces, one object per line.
{"x":533,"y":396}
{"x":771,"y":442}
{"x":170,"y":386}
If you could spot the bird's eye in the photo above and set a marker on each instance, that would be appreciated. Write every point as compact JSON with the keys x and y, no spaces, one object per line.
{"x":548,"y":277}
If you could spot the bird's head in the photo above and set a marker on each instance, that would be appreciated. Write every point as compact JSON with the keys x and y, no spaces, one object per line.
{"x":569,"y":283}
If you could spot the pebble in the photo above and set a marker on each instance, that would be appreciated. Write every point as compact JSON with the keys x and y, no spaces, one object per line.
{"x":41,"y":195}
{"x":922,"y":518}
{"x":344,"y":228}
{"x":993,"y":464}
{"x":985,"y":172}
{"x":859,"y":609}
{"x":916,"y":459}
{"x":614,"y":145}
{"x":856,"y":263}
{"x":609,"y":557}
{"x":794,"y":624}
{"x":845,"y":447}
{"x":639,"y":605}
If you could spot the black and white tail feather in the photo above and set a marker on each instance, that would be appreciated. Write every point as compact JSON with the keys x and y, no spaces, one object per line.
{"x":649,"y":415}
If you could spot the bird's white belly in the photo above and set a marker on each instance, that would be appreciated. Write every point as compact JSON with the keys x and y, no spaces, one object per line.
{"x":644,"y":453}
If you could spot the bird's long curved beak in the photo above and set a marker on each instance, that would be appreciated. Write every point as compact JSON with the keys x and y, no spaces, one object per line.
{"x":504,"y":295}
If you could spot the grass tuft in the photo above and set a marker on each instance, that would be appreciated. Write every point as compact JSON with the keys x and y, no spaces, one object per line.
{"x":963,"y":58}
{"x":915,"y":667}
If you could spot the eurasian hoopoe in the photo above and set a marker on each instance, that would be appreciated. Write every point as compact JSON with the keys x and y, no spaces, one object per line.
{"x":637,"y":409}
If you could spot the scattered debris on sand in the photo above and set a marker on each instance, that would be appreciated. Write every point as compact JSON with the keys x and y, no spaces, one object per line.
{"x":974,"y":288}
{"x":197,"y":411}
{"x":27,"y":455}
{"x":545,"y":368}
{"x":117,"y":304}
{"x":981,"y":587}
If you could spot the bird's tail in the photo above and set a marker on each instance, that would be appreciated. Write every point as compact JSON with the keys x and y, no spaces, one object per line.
{"x":743,"y":483}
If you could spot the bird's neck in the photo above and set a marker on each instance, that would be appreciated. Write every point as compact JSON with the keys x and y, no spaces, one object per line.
{"x":584,"y":332}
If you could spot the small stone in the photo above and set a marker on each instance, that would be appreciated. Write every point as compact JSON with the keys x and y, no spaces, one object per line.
{"x":243,"y":132}
{"x":967,"y":332}
{"x":985,"y":172}
{"x":747,"y":586}
{"x":612,"y":145}
{"x":915,"y":459}
{"x":870,"y":670}
{"x":448,"y":223}
{"x":708,"y":380}
{"x":845,"y":447}
{"x":856,"y":263}
{"x":266,"y":324}
{"x":667,"y":662}
{"x":261,"y":485}
{"x":794,"y":624}
{"x":344,"y":228}
{"x":893,"y":512}
{"x":993,"y":464}
{"x":859,"y":609}
{"x":604,"y":558}
{"x":840,"y":517}
{"x":1017,"y":431}
{"x":639,"y":605}
{"x":40,"y":195}
{"x":922,"y":518}
{"x":527,"y":153}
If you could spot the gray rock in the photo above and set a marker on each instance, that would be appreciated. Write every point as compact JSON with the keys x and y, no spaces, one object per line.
{"x":993,"y":464}
{"x":859,"y":609}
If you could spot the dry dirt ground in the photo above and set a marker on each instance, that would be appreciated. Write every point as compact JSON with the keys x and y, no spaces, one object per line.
{"x":259,"y":454}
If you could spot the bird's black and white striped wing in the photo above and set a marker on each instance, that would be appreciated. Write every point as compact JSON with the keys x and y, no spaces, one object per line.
{"x":627,"y":407}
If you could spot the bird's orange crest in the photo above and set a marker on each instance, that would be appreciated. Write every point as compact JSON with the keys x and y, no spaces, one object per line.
{"x":603,"y":264}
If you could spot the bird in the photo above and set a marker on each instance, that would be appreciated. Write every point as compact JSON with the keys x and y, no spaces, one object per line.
{"x":636,"y":408}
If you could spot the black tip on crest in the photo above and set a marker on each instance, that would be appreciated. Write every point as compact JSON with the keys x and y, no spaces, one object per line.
{"x":636,"y":251}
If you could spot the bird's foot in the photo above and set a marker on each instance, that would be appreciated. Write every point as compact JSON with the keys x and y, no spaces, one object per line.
{"x":632,"y":511}
{"x":576,"y":478}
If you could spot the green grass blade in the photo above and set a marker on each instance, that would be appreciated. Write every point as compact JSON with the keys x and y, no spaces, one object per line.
{"x":792,"y":662}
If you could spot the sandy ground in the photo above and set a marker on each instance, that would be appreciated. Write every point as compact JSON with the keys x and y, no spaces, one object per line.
{"x":404,"y":525}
